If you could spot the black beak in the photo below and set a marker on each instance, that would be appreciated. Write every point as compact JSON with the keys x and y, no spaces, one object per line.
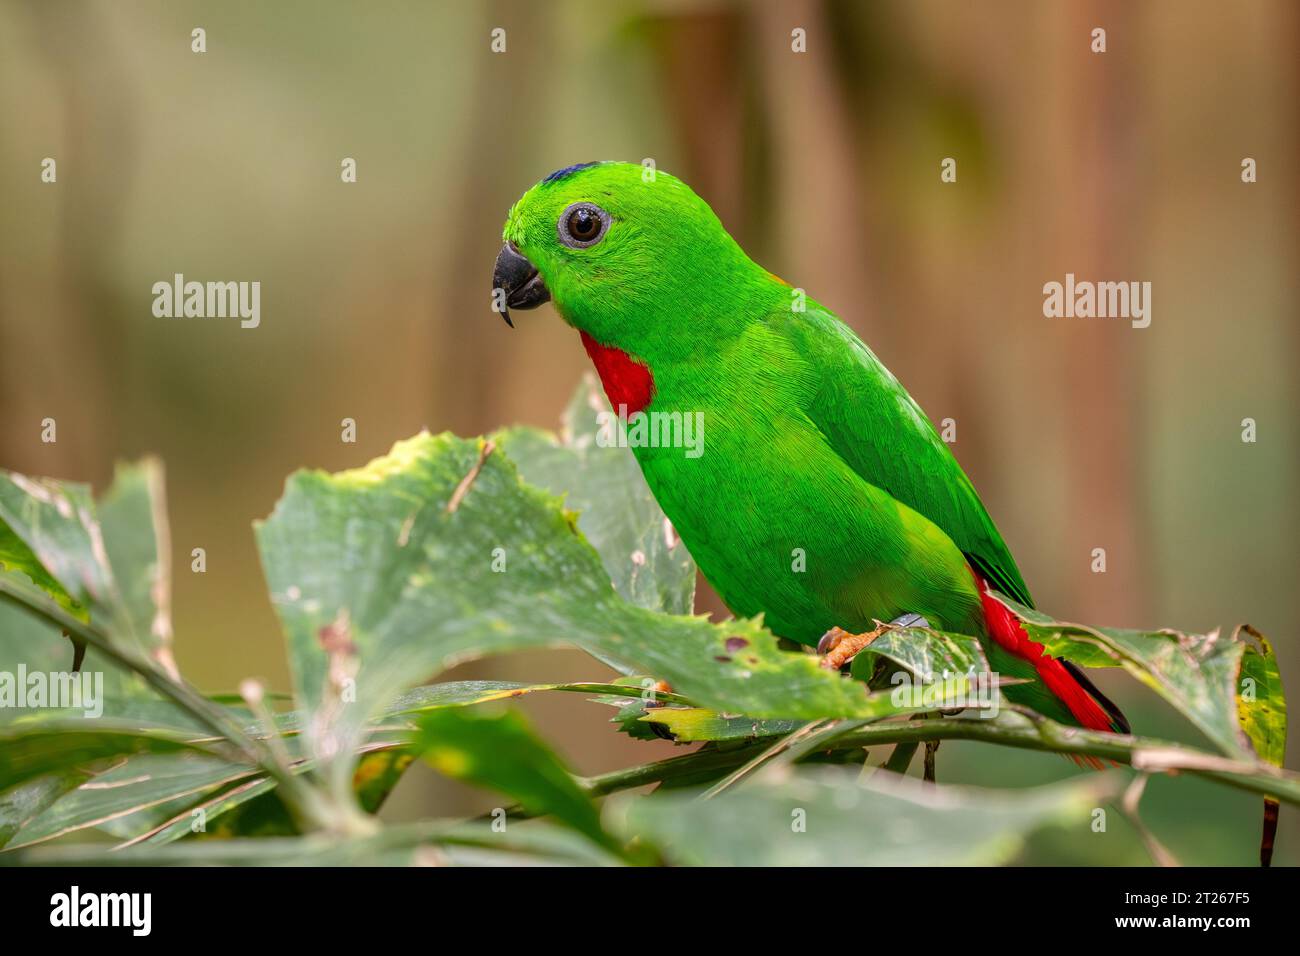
{"x":519,"y":283}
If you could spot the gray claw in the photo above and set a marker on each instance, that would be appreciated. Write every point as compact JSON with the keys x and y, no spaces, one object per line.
{"x":909,"y":620}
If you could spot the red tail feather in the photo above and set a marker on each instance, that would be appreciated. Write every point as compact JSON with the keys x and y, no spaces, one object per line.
{"x":1005,"y":628}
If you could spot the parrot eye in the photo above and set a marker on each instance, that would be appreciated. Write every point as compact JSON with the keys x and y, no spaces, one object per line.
{"x":583,"y":224}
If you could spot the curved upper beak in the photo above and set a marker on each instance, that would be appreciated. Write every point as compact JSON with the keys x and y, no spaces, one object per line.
{"x":520,"y":285}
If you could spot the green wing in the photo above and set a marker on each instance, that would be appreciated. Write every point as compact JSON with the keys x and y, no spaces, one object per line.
{"x":880,"y":431}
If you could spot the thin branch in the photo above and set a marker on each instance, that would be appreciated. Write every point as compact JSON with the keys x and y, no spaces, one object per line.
{"x":1042,"y":735}
{"x":901,"y":759}
{"x":1129,"y":804}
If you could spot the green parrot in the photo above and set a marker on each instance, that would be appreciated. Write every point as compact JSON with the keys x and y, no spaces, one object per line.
{"x":822,"y":495}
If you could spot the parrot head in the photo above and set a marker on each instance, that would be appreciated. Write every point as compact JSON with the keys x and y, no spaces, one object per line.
{"x":630,"y":256}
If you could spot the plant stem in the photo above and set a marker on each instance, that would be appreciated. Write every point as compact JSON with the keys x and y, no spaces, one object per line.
{"x":901,"y":759}
{"x":1031,"y":734}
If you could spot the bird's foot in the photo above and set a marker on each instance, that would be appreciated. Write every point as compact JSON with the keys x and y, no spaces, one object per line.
{"x":838,"y":646}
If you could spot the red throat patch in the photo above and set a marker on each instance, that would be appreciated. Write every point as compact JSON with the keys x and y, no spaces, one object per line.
{"x":626,"y":381}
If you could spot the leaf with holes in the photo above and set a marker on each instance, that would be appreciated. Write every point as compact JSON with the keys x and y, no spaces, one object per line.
{"x":386,"y":574}
{"x":1201,"y":675}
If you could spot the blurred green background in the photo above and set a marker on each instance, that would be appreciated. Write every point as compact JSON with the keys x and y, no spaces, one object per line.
{"x":825,"y":166}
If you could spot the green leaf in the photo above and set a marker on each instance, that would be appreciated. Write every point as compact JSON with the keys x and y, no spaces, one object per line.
{"x":48,"y":533}
{"x":28,"y":751}
{"x":827,"y":816}
{"x":1201,"y":675}
{"x":22,"y":803}
{"x":694,"y":724}
{"x":137,"y":541}
{"x":144,"y":785}
{"x":107,"y":564}
{"x":255,"y":807}
{"x":156,"y":798}
{"x":376,"y":775}
{"x":385,"y":574}
{"x":434,"y":841}
{"x":927,"y":654}
{"x":530,"y":843}
{"x":1261,"y":702}
{"x":464,"y":693}
{"x":500,"y":751}
{"x":629,"y":719}
{"x":27,"y":642}
{"x":646,"y":560}
{"x":164,"y":783}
